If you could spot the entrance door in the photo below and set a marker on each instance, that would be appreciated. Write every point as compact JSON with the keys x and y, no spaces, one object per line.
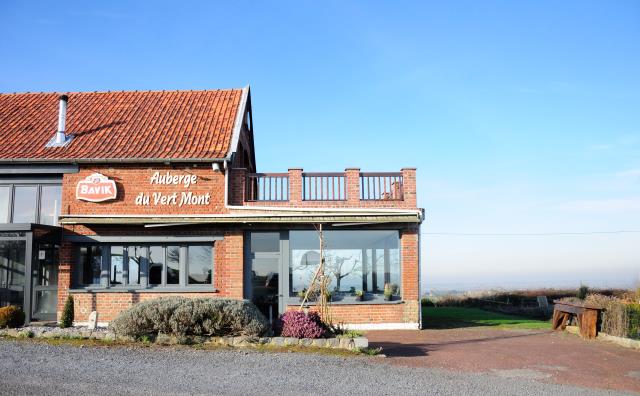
{"x":45,"y":282}
{"x":263,"y":283}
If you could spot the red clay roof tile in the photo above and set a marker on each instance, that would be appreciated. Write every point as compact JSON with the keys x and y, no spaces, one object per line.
{"x":120,"y":125}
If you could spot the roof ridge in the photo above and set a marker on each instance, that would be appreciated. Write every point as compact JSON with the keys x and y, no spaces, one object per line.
{"x":120,"y":91}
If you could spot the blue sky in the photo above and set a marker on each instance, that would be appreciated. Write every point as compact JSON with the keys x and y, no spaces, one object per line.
{"x":522,"y":117}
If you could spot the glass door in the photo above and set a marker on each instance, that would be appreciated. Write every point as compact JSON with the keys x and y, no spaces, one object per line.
{"x":12,"y":272}
{"x":262,"y":273}
{"x":45,"y":282}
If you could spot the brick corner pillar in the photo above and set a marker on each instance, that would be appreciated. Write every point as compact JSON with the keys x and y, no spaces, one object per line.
{"x":352,"y":176}
{"x":64,"y":275}
{"x":295,"y":186}
{"x":409,"y":185}
{"x":409,"y":244}
{"x":237,"y":187}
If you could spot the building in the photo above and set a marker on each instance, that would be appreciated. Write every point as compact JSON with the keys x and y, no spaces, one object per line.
{"x":119,"y":197}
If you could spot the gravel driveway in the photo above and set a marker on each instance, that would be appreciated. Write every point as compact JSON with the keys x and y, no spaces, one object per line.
{"x":29,"y":367}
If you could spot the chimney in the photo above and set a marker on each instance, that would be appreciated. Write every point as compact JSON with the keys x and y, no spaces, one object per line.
{"x":62,"y":119}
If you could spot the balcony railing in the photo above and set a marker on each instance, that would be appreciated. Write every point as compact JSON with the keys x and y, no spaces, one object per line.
{"x":387,"y":186}
{"x":267,"y":187}
{"x":350,"y":188}
{"x":324,"y":186}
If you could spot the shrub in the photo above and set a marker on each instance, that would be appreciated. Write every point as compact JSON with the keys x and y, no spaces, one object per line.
{"x":302,"y":325}
{"x":11,"y":316}
{"x":66,"y":319}
{"x":582,"y":292}
{"x":633,"y":313}
{"x":182,"y":316}
{"x":427,"y":302}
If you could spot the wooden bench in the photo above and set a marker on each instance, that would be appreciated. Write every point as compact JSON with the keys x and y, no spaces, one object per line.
{"x":587,"y":317}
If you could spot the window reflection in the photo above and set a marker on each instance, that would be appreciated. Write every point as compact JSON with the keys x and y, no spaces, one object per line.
{"x":156,"y":264}
{"x":91,"y":263}
{"x":24,"y":204}
{"x":200,"y":265}
{"x":173,"y":265}
{"x":355,"y":259}
{"x":5,"y":199}
{"x":50,"y":197}
{"x":117,"y":265}
{"x":136,"y":255}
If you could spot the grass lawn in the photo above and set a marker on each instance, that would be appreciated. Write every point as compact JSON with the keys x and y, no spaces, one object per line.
{"x":452,"y":317}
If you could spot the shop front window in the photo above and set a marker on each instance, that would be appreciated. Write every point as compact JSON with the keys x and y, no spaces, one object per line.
{"x":354,"y":259}
{"x":147,"y":265}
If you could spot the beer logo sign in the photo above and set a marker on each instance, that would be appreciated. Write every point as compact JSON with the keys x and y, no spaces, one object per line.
{"x":96,"y":188}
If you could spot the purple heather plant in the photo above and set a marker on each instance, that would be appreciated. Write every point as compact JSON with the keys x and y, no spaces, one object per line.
{"x":302,"y":325}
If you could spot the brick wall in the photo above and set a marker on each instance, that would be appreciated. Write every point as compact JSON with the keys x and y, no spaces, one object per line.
{"x":132,"y":180}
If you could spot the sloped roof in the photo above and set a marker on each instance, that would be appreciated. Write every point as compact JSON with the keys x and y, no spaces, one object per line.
{"x":123,"y":125}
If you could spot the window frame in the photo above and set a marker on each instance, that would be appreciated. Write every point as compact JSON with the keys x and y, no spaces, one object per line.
{"x":105,"y":278}
{"x":12,"y":184}
{"x":284,"y":255}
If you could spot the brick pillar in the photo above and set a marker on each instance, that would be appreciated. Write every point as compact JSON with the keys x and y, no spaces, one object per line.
{"x":409,"y":253}
{"x":64,"y":274}
{"x":353,"y":186}
{"x":237,"y":187}
{"x":295,"y":186}
{"x":409,"y":185}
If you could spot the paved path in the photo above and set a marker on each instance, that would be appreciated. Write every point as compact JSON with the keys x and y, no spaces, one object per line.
{"x":543,"y":355}
{"x":34,"y":368}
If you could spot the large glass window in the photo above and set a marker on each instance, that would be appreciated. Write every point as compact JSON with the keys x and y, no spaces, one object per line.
{"x":160,"y":265}
{"x":30,"y":203}
{"x":200,"y":265}
{"x":50,"y":201}
{"x":24,"y":204}
{"x":355,"y":260}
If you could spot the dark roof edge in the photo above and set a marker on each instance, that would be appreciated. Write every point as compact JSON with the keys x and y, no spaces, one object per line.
{"x":105,"y":160}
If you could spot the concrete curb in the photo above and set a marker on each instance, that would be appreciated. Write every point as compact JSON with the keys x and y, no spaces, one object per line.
{"x":348,"y":343}
{"x":621,"y":341}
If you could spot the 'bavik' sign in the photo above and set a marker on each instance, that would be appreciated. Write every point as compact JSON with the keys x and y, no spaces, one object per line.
{"x":96,"y":188}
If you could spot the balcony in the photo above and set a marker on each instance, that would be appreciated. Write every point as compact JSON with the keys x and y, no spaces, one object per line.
{"x":351,"y":188}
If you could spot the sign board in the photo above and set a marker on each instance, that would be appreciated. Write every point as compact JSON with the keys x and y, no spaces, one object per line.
{"x":96,"y":188}
{"x":175,"y":198}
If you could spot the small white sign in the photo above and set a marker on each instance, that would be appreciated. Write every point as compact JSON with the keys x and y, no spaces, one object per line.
{"x":42,"y":254}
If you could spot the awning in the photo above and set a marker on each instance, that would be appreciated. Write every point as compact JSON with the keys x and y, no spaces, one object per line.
{"x":291,"y":218}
